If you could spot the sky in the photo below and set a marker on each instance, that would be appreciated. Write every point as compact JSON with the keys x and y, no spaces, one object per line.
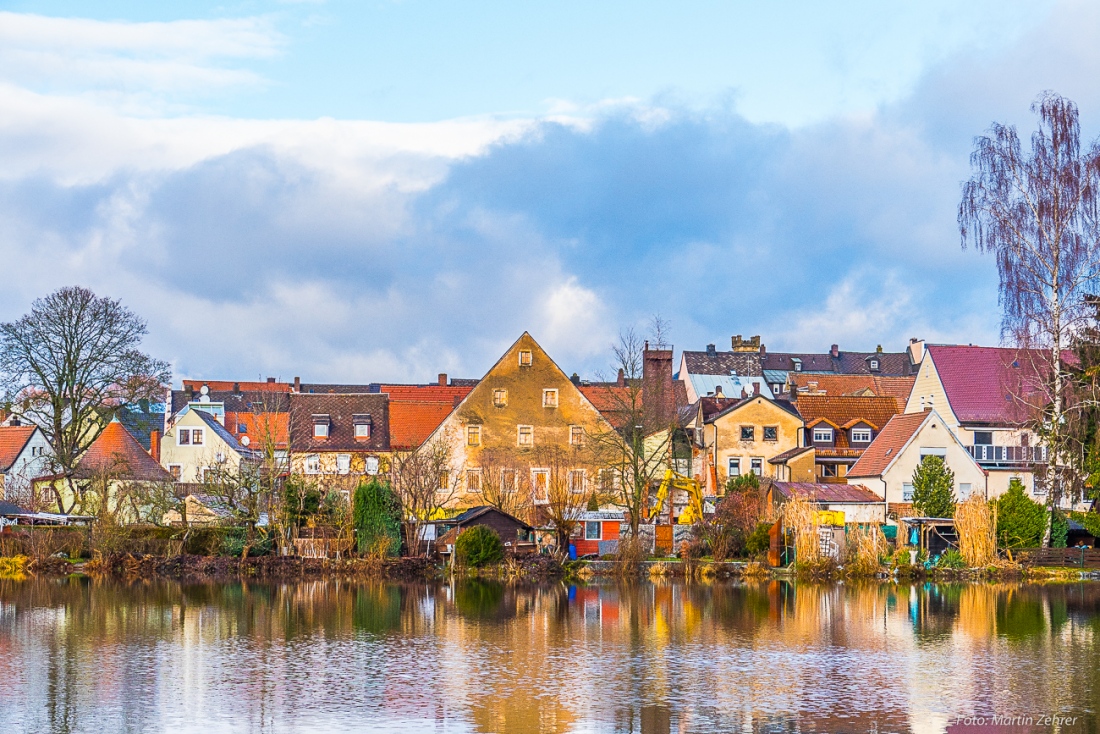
{"x":382,"y":190}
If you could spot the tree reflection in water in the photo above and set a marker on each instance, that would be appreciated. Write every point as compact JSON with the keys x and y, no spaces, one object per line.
{"x":94,"y":655}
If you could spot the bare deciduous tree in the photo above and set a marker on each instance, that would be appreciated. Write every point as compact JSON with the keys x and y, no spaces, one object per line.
{"x":505,"y":481}
{"x":69,"y":362}
{"x":423,"y":484}
{"x":565,"y":497}
{"x":1037,"y":214}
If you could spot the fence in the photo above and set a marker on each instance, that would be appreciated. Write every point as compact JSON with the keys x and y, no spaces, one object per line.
{"x":1074,"y":557}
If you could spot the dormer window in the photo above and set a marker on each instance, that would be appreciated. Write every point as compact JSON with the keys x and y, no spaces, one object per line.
{"x":321,"y":425}
{"x":525,"y":358}
{"x":823,"y":435}
{"x":362,"y":423}
{"x":797,"y":365}
{"x":861,"y":435}
{"x":873,"y":363}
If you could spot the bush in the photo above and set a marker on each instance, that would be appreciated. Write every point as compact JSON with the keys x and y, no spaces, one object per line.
{"x":951,"y":558}
{"x":478,"y":546}
{"x":377,"y":518}
{"x":234,"y":540}
{"x":759,"y":540}
{"x":1059,"y":530}
{"x":742,"y":483}
{"x":933,"y":485}
{"x":1020,"y":520}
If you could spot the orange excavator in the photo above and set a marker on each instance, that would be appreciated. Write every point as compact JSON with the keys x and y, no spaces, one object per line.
{"x":694,"y":510}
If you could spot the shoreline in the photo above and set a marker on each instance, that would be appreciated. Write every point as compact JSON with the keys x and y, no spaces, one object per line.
{"x":533,"y":568}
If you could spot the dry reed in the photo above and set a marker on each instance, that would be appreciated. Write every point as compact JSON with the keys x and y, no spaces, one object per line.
{"x":977,"y":529}
{"x":800,"y":516}
{"x":866,"y":546}
{"x":13,"y":568}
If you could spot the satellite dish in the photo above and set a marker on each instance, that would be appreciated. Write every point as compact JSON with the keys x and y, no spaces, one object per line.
{"x":204,"y":390}
{"x":204,"y":398}
{"x":245,"y":440}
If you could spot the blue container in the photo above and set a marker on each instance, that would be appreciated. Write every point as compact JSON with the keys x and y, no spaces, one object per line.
{"x":572,"y":551}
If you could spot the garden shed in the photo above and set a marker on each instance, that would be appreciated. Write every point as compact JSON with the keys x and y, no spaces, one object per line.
{"x":517,"y":536}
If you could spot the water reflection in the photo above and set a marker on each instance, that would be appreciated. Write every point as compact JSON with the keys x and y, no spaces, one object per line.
{"x":82,"y":655}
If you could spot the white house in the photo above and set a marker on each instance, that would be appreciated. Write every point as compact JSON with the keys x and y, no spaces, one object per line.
{"x":25,"y":454}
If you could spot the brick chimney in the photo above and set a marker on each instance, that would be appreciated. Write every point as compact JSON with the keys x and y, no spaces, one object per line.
{"x":756,"y":388}
{"x":621,"y":381}
{"x":297,"y":384}
{"x":154,"y":445}
{"x":443,"y":379}
{"x":657,"y":391}
{"x":271,"y":380}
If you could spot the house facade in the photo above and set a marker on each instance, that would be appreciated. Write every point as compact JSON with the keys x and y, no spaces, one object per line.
{"x":25,"y":454}
{"x":988,"y":397}
{"x":196,"y":446}
{"x":523,"y":423}
{"x":840,"y":428}
{"x":741,"y":438}
{"x":886,"y":466}
{"x":339,"y":438}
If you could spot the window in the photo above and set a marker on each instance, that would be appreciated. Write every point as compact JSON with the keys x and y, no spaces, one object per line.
{"x":473,"y":480}
{"x":343,"y":463}
{"x":576,"y":481}
{"x":906,"y":492}
{"x":550,"y":398}
{"x":592,"y":530}
{"x":197,"y":436}
{"x":444,"y":480}
{"x":473,"y":435}
{"x":500,"y":398}
{"x":964,"y":490}
{"x":771,"y":433}
{"x":828,"y":470}
{"x":757,"y":467}
{"x":748,"y":433}
{"x":242,"y":428}
{"x":508,"y":480}
{"x":176,"y":470}
{"x":183,"y":436}
{"x":540,"y":481}
{"x":525,"y":436}
{"x":209,"y":474}
{"x":874,"y":364}
{"x":797,"y":365}
{"x":576,"y":435}
{"x":861,"y":435}
{"x":734,"y":468}
{"x":313,"y":464}
{"x":607,"y":480}
{"x":371,"y":465}
{"x":320,"y":426}
{"x":983,"y":438}
{"x":823,"y":435}
{"x":525,"y":358}
{"x":932,"y":451}
{"x":362,"y":423}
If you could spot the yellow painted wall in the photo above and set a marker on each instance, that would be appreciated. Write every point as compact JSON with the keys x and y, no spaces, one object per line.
{"x":759,"y":412}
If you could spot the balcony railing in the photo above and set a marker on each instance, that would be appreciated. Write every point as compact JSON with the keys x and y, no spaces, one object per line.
{"x":1008,"y":455}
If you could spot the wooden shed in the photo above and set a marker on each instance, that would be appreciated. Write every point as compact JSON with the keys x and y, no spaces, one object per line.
{"x":595,"y":528}
{"x":518,"y":536}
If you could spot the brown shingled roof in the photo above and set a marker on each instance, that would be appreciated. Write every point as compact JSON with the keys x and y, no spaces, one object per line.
{"x":341,"y":409}
{"x":843,"y":411}
{"x":895,"y":387}
{"x":838,"y":493}
{"x":886,"y":446}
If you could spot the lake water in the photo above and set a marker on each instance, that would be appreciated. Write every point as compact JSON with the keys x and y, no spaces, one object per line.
{"x":90,"y":656}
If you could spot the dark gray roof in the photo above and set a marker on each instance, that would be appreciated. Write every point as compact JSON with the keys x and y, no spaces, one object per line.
{"x":475,"y":512}
{"x":140,"y":422}
{"x":224,"y":434}
{"x":723,"y":363}
{"x":891,"y":364}
{"x":236,"y":402}
{"x":10,"y":508}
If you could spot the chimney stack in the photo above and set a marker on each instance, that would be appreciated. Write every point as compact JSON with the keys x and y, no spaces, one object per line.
{"x":271,"y":380}
{"x":621,"y":382}
{"x":443,"y":379}
{"x":297,"y":384}
{"x":717,"y":391}
{"x":154,"y":445}
{"x":711,"y":351}
{"x":756,"y":388}
{"x":835,"y":350}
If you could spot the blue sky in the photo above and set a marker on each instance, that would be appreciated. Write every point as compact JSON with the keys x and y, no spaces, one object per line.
{"x":385,"y":190}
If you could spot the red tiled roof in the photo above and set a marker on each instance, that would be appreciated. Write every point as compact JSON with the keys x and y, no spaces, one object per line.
{"x":884,"y":449}
{"x":429,"y":393}
{"x":993,"y":384}
{"x":412,"y":422}
{"x":844,"y":411}
{"x":894,"y":387}
{"x":827,"y":492}
{"x":259,"y":427}
{"x":613,"y":402}
{"x":12,"y":441}
{"x":117,"y":453}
